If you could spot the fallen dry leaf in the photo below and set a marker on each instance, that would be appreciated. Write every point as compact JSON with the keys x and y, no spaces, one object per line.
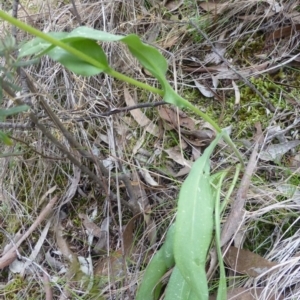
{"x":173,"y":5}
{"x":176,"y":155}
{"x":151,"y":230}
{"x":172,"y":117}
{"x":213,"y":6}
{"x":139,"y":116}
{"x":128,"y":236}
{"x":235,"y":217}
{"x":10,"y":255}
{"x":62,"y":244}
{"x":290,"y":191}
{"x":146,"y":175}
{"x":198,"y":138}
{"x":205,"y":91}
{"x":213,"y":57}
{"x":285,"y":32}
{"x":237,"y":93}
{"x":90,"y":226}
{"x":247,"y":262}
{"x":275,"y":152}
{"x":111,"y":266}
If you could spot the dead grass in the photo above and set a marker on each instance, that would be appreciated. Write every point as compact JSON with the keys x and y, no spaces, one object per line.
{"x":81,"y":264}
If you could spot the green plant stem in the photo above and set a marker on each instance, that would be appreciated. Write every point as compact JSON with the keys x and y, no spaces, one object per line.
{"x":58,"y":43}
{"x":218,"y":129}
{"x":113,"y":73}
{"x":222,"y":289}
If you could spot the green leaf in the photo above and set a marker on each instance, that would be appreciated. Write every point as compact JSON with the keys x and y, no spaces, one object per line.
{"x":194,"y":224}
{"x":218,"y":179}
{"x":80,"y":39}
{"x":7,"y":43}
{"x":37,"y":45}
{"x":5,"y":139}
{"x":178,"y":288}
{"x":22,"y":63}
{"x":79,"y":66}
{"x":150,"y":287}
{"x":13,"y":110}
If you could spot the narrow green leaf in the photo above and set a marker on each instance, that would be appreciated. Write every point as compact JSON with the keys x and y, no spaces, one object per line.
{"x":194,"y":224}
{"x":7,"y":43}
{"x":178,"y":288}
{"x":167,"y":248}
{"x":222,"y":288}
{"x":37,"y":45}
{"x":13,"y":110}
{"x":5,"y":139}
{"x":25,"y":63}
{"x":150,"y":287}
{"x":76,"y":65}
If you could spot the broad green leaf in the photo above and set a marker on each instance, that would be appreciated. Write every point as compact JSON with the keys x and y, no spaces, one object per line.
{"x":76,"y":65}
{"x":93,"y":34}
{"x":194,"y":224}
{"x":149,"y":57}
{"x":178,"y":288}
{"x":150,"y":287}
{"x":37,"y":45}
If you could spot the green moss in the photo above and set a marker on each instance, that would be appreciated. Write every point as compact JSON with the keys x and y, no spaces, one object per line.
{"x":20,"y":288}
{"x":246,"y":48}
{"x":251,"y":108}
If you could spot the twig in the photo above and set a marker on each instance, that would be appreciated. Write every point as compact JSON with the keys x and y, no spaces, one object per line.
{"x":73,"y":142}
{"x":247,"y":82}
{"x":129,"y":108}
{"x":10,"y":125}
{"x":15,"y":15}
{"x":75,"y":13}
{"x":47,"y":287}
{"x":60,"y":146}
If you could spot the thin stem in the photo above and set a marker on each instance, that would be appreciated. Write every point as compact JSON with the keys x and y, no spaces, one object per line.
{"x":81,"y":55}
{"x":206,"y":118}
{"x":113,"y":73}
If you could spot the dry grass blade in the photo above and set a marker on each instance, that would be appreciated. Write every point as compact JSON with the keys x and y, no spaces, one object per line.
{"x":47,"y":287}
{"x":140,"y":117}
{"x":245,"y":262}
